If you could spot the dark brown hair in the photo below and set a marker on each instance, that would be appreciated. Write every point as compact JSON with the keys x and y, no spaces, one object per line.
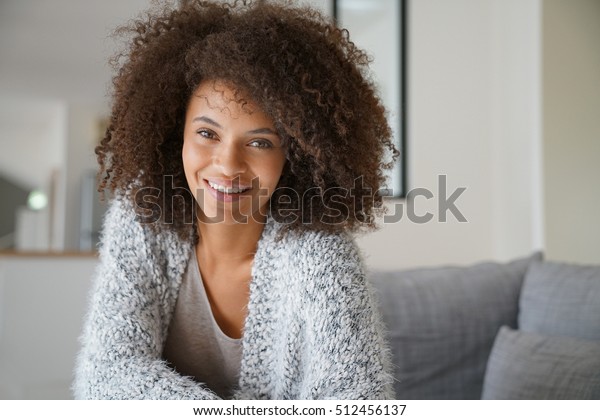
{"x":303,"y":72}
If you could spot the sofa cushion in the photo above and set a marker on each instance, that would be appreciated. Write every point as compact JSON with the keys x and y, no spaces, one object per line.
{"x":525,"y":365}
{"x":442,"y":323}
{"x":561,"y":299}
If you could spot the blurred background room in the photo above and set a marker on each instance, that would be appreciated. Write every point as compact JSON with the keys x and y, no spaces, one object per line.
{"x":501,"y":98}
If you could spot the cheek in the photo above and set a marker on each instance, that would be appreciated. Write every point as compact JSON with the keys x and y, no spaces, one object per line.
{"x":192,"y":159}
{"x":191,"y":166}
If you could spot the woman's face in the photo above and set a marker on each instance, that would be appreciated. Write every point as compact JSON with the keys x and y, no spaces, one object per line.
{"x":232,"y":155}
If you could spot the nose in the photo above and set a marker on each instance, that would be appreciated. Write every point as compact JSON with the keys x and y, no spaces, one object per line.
{"x":230,"y":159}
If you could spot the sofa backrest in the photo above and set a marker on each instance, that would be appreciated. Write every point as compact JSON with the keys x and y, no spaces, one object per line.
{"x":442,"y":323}
{"x":555,"y":352}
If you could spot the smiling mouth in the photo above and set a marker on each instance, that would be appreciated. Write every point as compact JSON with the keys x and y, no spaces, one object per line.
{"x":227,"y":190}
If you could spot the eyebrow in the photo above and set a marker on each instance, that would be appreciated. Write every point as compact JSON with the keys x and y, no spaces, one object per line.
{"x":210,"y":121}
{"x":263,"y":131}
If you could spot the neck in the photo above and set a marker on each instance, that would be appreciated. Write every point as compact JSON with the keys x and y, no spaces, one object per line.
{"x":228,"y":242}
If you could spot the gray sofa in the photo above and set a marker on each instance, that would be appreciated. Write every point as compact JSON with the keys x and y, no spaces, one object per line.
{"x":527,"y":329}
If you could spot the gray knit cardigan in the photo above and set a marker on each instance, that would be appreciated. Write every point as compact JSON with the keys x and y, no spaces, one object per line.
{"x":312,"y":330}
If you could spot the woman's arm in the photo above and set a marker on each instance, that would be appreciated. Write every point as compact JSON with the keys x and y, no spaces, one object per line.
{"x":350,"y":358}
{"x":123,"y":332}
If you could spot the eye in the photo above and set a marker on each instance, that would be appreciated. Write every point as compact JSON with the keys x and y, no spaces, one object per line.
{"x":261,"y":144}
{"x":206,"y":133}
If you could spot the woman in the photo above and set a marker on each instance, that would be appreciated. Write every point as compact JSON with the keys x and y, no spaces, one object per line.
{"x":245,"y":144}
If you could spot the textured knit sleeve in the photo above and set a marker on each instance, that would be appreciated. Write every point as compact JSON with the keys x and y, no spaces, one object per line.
{"x":121,"y":343}
{"x":350,"y":359}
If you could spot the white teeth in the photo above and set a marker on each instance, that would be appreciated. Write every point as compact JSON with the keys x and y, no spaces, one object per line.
{"x":225,"y":189}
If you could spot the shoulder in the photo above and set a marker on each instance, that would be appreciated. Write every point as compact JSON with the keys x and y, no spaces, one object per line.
{"x":122,"y":228}
{"x":319,"y":258}
{"x":126,"y":238}
{"x":329,"y":249}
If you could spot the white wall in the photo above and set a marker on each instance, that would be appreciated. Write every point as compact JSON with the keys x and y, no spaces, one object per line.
{"x":31,"y":139}
{"x":325,"y":6}
{"x":571,"y":34}
{"x":473,"y":115}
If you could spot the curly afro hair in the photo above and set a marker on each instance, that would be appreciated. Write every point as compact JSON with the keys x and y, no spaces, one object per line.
{"x":303,"y":72}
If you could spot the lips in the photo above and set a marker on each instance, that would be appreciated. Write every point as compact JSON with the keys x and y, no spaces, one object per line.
{"x":226,"y":191}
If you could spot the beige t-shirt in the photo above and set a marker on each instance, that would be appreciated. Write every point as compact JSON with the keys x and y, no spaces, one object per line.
{"x":196,"y":346}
